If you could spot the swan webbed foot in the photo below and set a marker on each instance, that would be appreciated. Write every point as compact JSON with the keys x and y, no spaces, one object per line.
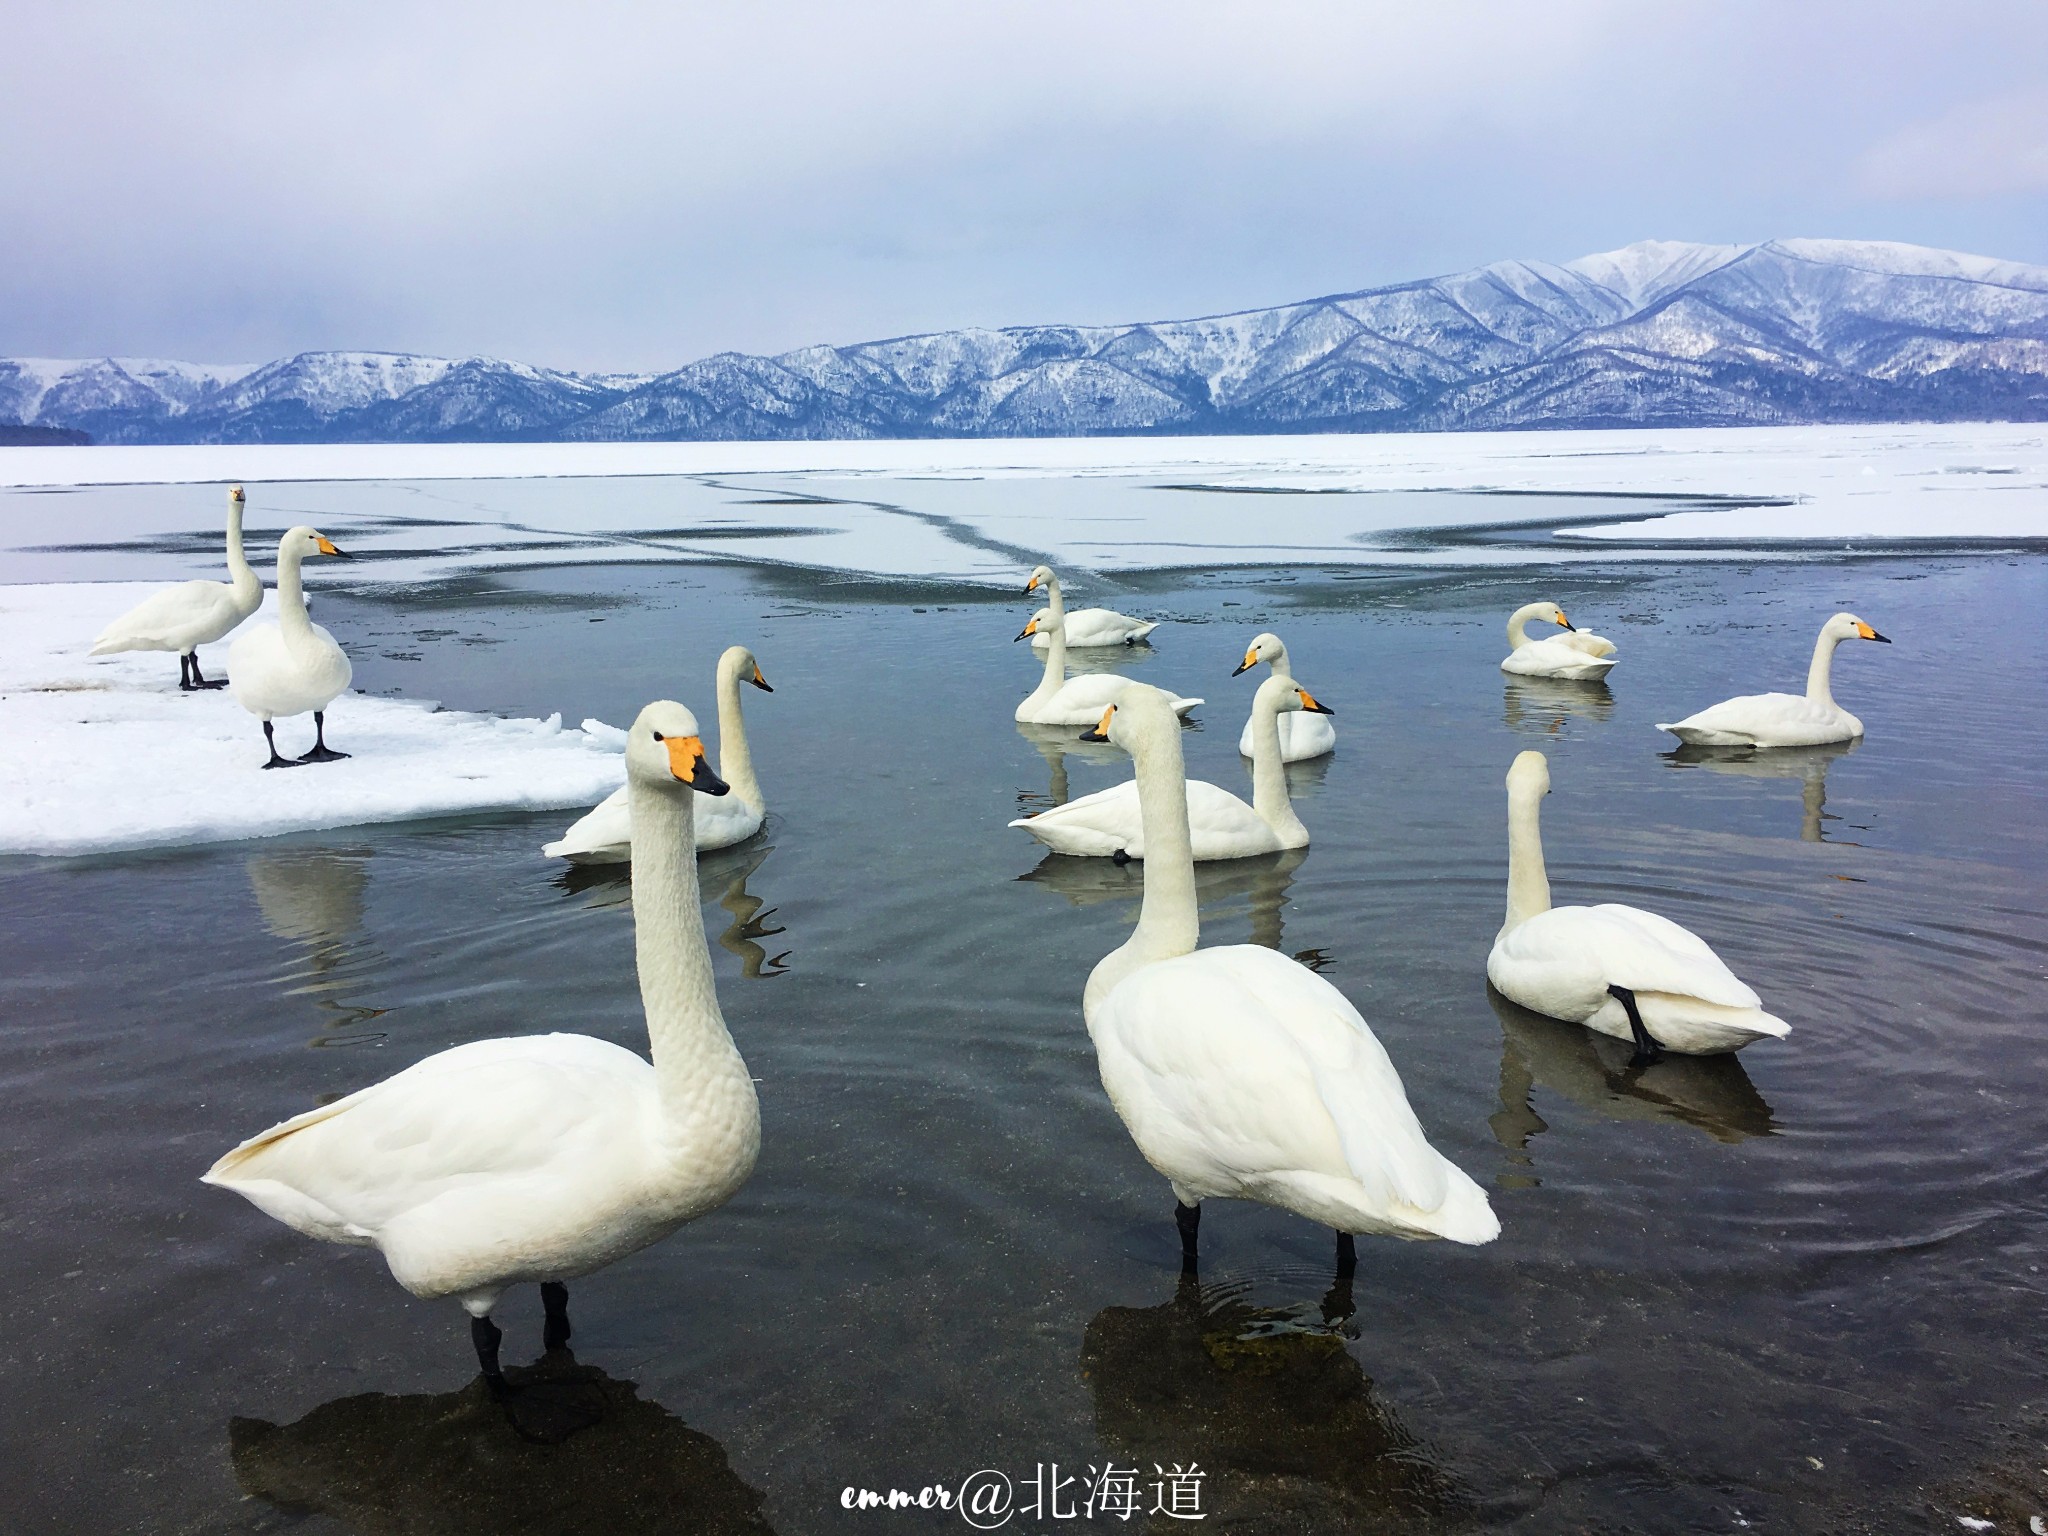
{"x":190,"y":678}
{"x":321,"y":753}
{"x":270,"y":739}
{"x":554,"y":1299}
{"x":1120,"y":857}
{"x":1188,"y":1218}
{"x":1647,"y":1049}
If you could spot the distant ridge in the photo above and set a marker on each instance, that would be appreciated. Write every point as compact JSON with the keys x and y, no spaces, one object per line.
{"x":1661,"y":333}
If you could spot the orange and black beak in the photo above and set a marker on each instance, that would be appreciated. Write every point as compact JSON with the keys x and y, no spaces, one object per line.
{"x":327,"y":548}
{"x":686,"y":762}
{"x":1031,"y":586}
{"x":1868,"y":633}
{"x":1308,"y":703}
{"x":759,"y":681}
{"x":1567,"y":623}
{"x":1250,"y":660}
{"x":1101,"y":731}
{"x":1028,"y":630}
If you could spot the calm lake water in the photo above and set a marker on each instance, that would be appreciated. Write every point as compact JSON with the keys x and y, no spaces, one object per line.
{"x":1796,"y":1291}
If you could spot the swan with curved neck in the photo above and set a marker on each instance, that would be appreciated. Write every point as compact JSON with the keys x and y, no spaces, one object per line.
{"x":541,"y":1158}
{"x":604,"y":834}
{"x":1058,"y":699}
{"x":1109,"y":824}
{"x":191,"y":614}
{"x":1302,"y":736}
{"x":1575,"y":654}
{"x":1615,"y":969}
{"x":1785,"y":719}
{"x":293,"y":666}
{"x":1242,"y":1074}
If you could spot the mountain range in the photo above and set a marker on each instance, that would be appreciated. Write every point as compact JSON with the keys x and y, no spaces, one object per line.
{"x":1662,"y":333}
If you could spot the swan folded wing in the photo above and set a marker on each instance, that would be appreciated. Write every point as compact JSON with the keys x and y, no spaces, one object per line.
{"x":163,"y":619}
{"x":607,"y":825}
{"x":1626,"y":947}
{"x":1271,"y":1071}
{"x":1108,"y":818}
{"x":1753,"y":712}
{"x":1581,"y":640}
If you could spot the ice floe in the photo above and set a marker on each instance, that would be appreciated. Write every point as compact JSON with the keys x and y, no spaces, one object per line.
{"x":104,"y":753}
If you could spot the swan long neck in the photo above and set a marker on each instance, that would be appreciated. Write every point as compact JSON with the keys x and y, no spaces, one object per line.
{"x":1820,"y":673}
{"x":735,"y":757}
{"x":697,"y":1068}
{"x":1269,"y":776}
{"x":1518,"y":635}
{"x":1055,"y":642}
{"x":292,"y":617}
{"x":1168,"y":922}
{"x":1528,"y":883}
{"x":1278,"y":661}
{"x":239,"y":572}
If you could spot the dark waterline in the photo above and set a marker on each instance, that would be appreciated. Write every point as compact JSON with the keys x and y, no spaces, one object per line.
{"x":1712,"y":1275}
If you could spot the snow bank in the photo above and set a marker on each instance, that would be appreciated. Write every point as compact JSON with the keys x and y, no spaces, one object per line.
{"x":103,"y":754}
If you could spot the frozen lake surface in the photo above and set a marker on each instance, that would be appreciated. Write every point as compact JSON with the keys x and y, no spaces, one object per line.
{"x":1799,"y":1290}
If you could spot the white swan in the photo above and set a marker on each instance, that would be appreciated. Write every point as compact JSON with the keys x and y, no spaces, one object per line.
{"x":1574,"y":654}
{"x":1093,"y":627}
{"x":1615,"y":969}
{"x":544,"y":1157}
{"x":1110,"y":824}
{"x":1785,"y":719}
{"x":1302,"y":735}
{"x":1058,"y":699}
{"x":191,"y":614}
{"x":294,"y":665}
{"x":1241,"y":1073}
{"x":604,"y":834}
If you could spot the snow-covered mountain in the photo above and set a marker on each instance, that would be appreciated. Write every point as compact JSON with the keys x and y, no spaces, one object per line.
{"x":1661,"y":333}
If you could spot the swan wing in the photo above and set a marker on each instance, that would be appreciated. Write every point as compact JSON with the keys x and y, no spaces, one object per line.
{"x":1583,"y":640}
{"x":173,"y":618}
{"x":1110,"y":821}
{"x":603,"y":833}
{"x":1557,"y":657}
{"x":1766,"y":719}
{"x":1581,"y":951}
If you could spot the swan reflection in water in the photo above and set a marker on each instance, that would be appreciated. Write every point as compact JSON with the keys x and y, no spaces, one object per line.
{"x":1270,"y":1403}
{"x":1262,"y":882}
{"x":726,"y":871}
{"x":1809,"y":765}
{"x":1709,"y":1093}
{"x":1542,"y":706}
{"x":314,"y":898}
{"x":1057,"y":743}
{"x":586,"y":1456}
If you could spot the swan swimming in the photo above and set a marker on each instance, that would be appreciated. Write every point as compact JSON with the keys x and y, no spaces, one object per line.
{"x":294,"y":665}
{"x":604,"y":834}
{"x":191,"y":614}
{"x":544,"y":1157}
{"x":1058,"y":699}
{"x":1618,"y":970}
{"x":1110,"y":823}
{"x":1302,"y":735}
{"x":1093,"y":627}
{"x":1785,"y":719}
{"x":1241,"y":1073}
{"x":1574,"y":654}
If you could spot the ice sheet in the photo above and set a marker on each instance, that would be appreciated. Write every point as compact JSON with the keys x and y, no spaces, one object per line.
{"x":104,"y":753}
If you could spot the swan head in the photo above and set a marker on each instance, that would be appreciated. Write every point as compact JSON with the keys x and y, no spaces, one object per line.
{"x":1553,"y":613}
{"x":306,"y":542}
{"x":1140,"y":710}
{"x":1035,"y":625}
{"x":743,"y":665}
{"x":235,"y":495}
{"x":665,"y":748}
{"x":1288,"y":697}
{"x":1042,"y":577}
{"x":1265,"y":647}
{"x":1846,"y":626}
{"x":1529,"y":778}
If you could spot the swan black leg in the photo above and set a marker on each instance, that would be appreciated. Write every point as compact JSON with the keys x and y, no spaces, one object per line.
{"x":275,"y":760}
{"x":1347,"y":1256}
{"x":321,"y":753}
{"x":1189,"y":1219}
{"x":198,"y":679}
{"x":185,"y":664}
{"x":554,"y":1299}
{"x":484,"y":1334}
{"x":1647,"y":1050}
{"x":1338,"y":1305}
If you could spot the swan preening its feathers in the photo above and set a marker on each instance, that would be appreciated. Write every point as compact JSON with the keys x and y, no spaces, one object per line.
{"x":604,"y":834}
{"x":545,"y":1157}
{"x":1785,"y":719}
{"x":1302,"y":736}
{"x":1110,"y":823}
{"x":1574,"y":654}
{"x":1241,"y":1073}
{"x":1092,"y":627}
{"x":293,"y":666}
{"x":1058,"y":699}
{"x":191,"y":614}
{"x":1619,"y":970}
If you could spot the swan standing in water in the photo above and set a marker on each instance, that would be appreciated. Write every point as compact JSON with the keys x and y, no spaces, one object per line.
{"x":1302,"y":736}
{"x":1785,"y":719}
{"x":1059,"y":700}
{"x":1618,"y":970}
{"x":191,"y":614}
{"x":1110,"y":823}
{"x":294,"y":665}
{"x":1093,"y":627}
{"x":1574,"y":654}
{"x":1242,"y":1074}
{"x":546,"y":1157}
{"x":604,"y":834}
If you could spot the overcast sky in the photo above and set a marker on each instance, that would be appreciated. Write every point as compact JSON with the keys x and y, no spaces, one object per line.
{"x":601,"y":186}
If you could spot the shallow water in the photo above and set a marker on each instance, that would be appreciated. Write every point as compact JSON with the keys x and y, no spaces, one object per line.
{"x":1798,"y":1290}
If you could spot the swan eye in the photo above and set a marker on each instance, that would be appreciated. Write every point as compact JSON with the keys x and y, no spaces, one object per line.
{"x":659,"y":737}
